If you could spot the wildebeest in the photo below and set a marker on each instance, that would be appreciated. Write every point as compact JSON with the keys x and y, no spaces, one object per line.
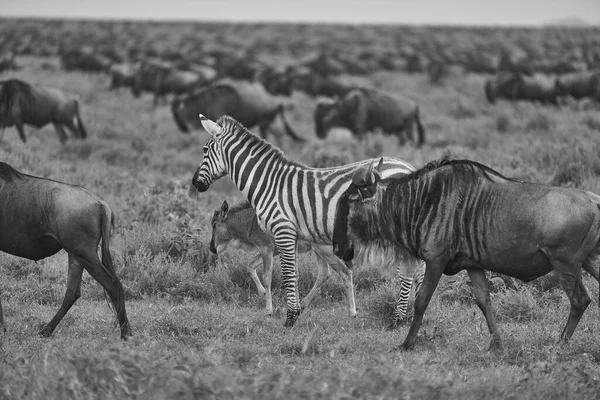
{"x":514,"y":86}
{"x":22,"y":103}
{"x":314,"y":84}
{"x":161,"y":78}
{"x":123,"y":75}
{"x":39,"y":217}
{"x":364,"y":110}
{"x":84,"y":58}
{"x":579,"y":85}
{"x":8,"y":61}
{"x":459,"y":215}
{"x":237,"y":227}
{"x":247,"y":102}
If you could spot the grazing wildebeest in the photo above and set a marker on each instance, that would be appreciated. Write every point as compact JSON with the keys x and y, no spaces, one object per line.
{"x":364,"y":110}
{"x":292,"y":201}
{"x":123,"y":75}
{"x":314,"y":84}
{"x":237,"y":227}
{"x":514,"y":86}
{"x":161,"y":78}
{"x":579,"y":85}
{"x":22,"y":103}
{"x":39,"y":217}
{"x":84,"y":58}
{"x":8,"y":61}
{"x":247,"y":102}
{"x":463,"y":215}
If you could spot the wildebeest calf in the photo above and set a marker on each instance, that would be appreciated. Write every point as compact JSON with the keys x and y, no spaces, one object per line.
{"x":237,"y":227}
{"x":39,"y":217}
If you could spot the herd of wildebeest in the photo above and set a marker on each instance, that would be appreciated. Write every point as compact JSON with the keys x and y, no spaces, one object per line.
{"x":423,"y":211}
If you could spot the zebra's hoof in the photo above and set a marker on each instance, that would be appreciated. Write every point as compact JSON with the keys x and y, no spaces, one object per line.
{"x":292,"y":316}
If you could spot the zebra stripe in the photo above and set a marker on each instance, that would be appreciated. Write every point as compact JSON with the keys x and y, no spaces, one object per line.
{"x":292,"y":201}
{"x":405,"y":284}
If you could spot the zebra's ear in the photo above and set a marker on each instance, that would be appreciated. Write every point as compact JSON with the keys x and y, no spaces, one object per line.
{"x":224,"y":209}
{"x":211,"y":127}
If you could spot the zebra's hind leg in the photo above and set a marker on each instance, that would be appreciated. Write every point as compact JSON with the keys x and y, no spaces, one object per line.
{"x":399,"y":315}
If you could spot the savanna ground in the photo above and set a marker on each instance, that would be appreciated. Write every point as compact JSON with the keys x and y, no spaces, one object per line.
{"x":199,"y":328}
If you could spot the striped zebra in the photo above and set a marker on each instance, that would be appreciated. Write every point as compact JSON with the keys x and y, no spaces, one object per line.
{"x":292,"y":201}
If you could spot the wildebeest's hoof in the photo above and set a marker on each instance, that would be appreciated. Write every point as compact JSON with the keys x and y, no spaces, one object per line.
{"x":45,"y":332}
{"x":495,"y":344}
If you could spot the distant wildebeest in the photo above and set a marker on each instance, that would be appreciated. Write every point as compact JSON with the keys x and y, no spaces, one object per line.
{"x":161,"y":78}
{"x":363,"y":110}
{"x":84,"y":58}
{"x":39,"y":217}
{"x":22,"y":103}
{"x":123,"y":75}
{"x":579,"y":85}
{"x":237,"y":227}
{"x":514,"y":86}
{"x":463,"y":215}
{"x":277,"y":81}
{"x":8,"y":62}
{"x":247,"y":102}
{"x":314,"y":84}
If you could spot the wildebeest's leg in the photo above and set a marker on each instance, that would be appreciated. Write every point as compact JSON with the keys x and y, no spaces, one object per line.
{"x":323,"y":276}
{"x":2,"y":325}
{"x":60,"y":131}
{"x":73,"y":129}
{"x":482,"y":297}
{"x":433,"y":273}
{"x":254,"y":264}
{"x":285,"y":240}
{"x":111,"y":284}
{"x":572,"y":285}
{"x":72,"y":293}
{"x":267,"y":278}
{"x":21,"y":131}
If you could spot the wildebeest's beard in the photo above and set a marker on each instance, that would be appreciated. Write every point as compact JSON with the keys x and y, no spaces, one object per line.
{"x":341,"y":244}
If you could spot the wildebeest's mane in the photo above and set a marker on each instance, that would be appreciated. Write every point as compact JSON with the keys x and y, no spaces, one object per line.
{"x":8,"y":173}
{"x":233,"y":127}
{"x":467,"y":169}
{"x":9,"y":91}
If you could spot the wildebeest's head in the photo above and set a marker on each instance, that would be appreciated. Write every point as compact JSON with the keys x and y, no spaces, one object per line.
{"x":326,"y":116}
{"x":178,"y":109}
{"x":559,"y":88}
{"x":489,"y":92}
{"x":220,"y":233}
{"x":213,"y":165}
{"x":362,"y":189}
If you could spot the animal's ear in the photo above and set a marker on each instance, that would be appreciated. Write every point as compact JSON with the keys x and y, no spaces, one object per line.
{"x":224,"y":209}
{"x":211,"y":127}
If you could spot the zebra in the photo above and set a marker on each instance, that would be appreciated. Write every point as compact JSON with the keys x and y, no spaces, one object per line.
{"x":292,"y":201}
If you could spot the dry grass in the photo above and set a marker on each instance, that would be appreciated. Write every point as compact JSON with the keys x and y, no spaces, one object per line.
{"x":198,"y":326}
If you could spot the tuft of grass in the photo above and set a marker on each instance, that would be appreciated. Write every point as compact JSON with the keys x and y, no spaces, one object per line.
{"x":517,"y":306}
{"x":539,"y":122}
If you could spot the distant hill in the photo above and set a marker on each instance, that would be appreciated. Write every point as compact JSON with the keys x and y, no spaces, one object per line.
{"x":568,"y":21}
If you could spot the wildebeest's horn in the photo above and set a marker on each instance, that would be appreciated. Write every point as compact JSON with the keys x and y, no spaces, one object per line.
{"x":373,"y":175}
{"x":211,"y":127}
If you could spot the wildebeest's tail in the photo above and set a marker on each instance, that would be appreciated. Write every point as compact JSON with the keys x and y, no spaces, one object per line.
{"x":489,"y":92}
{"x":288,"y":129}
{"x":108,"y":221}
{"x":175,"y":107}
{"x":80,"y":126}
{"x":420,"y":129}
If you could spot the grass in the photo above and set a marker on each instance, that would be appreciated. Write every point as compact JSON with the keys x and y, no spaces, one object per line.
{"x":199,"y":328}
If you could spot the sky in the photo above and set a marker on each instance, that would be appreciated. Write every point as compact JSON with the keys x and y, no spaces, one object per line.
{"x":470,"y":12}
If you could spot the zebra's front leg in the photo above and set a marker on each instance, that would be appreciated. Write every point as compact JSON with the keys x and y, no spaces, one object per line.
{"x":286,"y":245}
{"x":402,"y":302}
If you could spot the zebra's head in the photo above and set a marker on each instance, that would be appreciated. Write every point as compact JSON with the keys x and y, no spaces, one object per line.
{"x":213,"y":165}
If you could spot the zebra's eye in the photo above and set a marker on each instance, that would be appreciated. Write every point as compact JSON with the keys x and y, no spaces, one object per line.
{"x":205,"y":149}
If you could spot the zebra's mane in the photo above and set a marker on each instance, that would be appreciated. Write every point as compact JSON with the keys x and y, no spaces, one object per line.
{"x":463,"y":169}
{"x":233,"y":127}
{"x":8,"y":173}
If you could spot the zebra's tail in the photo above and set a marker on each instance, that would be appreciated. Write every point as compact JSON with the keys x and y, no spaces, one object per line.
{"x":82,"y":130}
{"x":420,"y":129}
{"x":288,"y":129}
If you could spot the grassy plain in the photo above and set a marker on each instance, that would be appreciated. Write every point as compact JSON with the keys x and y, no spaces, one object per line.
{"x":199,"y":331}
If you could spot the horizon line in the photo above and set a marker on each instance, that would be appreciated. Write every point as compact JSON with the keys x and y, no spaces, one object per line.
{"x":549,"y":24}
